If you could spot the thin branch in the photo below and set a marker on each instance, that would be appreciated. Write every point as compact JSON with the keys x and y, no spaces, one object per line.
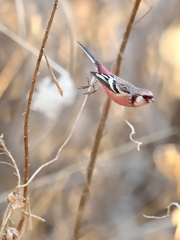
{"x":52,"y":75}
{"x":150,"y":138}
{"x":20,"y":18}
{"x":4,"y":148}
{"x":131,"y":135}
{"x":35,"y":216}
{"x":63,"y":145}
{"x":90,"y":169}
{"x":11,"y":69}
{"x":49,"y":179}
{"x":28,"y":107}
{"x":126,"y":36}
{"x":5,"y":219}
{"x":99,"y":133}
{"x":132,"y":131}
{"x":67,"y":16}
{"x":168,"y":211}
{"x":31,"y":49}
{"x":150,"y":8}
{"x":9,"y":164}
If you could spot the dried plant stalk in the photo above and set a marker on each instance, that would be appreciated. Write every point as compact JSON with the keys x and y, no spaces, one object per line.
{"x":63,"y":145}
{"x":7,"y":152}
{"x":52,"y":75}
{"x":98,"y":137}
{"x":168,"y":211}
{"x":26,"y":119}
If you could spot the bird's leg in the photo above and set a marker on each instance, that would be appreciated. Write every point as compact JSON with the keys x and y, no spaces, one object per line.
{"x":88,"y":84}
{"x":93,"y":90}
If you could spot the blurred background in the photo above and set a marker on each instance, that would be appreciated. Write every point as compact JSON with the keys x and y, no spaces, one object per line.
{"x":126,"y":183}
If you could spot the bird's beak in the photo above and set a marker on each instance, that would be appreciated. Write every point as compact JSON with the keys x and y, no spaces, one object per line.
{"x":151,"y":100}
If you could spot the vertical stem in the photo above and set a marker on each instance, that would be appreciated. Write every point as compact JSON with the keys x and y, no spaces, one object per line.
{"x":126,"y":36}
{"x":98,"y":137}
{"x":90,"y":169}
{"x":28,"y":106}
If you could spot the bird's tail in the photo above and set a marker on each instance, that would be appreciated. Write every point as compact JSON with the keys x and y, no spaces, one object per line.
{"x":91,"y":57}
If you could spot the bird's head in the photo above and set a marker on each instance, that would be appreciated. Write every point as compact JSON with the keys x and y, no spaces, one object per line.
{"x":142,"y":97}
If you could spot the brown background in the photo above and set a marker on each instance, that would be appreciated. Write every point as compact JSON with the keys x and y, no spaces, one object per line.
{"x":126,"y":183}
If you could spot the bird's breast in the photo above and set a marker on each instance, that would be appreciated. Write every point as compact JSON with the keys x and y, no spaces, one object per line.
{"x":117,"y":98}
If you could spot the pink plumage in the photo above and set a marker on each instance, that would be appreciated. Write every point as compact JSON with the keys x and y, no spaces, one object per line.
{"x":119,"y":90}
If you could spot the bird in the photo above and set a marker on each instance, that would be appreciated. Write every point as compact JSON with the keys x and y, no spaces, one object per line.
{"x":120,"y":91}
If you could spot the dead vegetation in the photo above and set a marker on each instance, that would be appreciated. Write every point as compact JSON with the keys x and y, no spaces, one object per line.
{"x":120,"y":183}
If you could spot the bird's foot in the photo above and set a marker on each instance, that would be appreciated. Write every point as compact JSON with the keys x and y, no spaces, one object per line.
{"x":93,"y":90}
{"x":84,"y":86}
{"x":88,"y":84}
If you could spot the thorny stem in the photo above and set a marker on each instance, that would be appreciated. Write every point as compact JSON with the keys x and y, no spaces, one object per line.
{"x":26,"y":119}
{"x":98,"y":137}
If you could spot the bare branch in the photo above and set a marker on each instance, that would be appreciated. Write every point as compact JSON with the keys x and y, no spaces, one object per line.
{"x":6,"y":217}
{"x":132,"y":133}
{"x":28,"y":107}
{"x":67,"y":16}
{"x":168,"y":211}
{"x":63,"y":145}
{"x":150,"y":8}
{"x":11,"y":157}
{"x":35,"y":216}
{"x":52,"y":75}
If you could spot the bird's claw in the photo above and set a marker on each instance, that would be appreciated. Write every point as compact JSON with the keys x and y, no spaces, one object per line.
{"x":84,"y":86}
{"x":88,"y":85}
{"x":93,"y":90}
{"x":90,"y":92}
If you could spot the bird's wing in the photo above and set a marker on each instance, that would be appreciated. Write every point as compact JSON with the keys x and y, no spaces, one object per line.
{"x":114,"y":83}
{"x":123,"y":87}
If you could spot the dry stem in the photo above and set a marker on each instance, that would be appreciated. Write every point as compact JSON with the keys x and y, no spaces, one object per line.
{"x":52,"y":75}
{"x":6,"y":151}
{"x":98,"y":137}
{"x":31,"y":49}
{"x":62,"y":146}
{"x":26,"y":119}
{"x":168,"y":211}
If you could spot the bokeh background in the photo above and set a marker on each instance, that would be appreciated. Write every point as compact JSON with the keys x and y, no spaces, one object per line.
{"x":126,"y":183}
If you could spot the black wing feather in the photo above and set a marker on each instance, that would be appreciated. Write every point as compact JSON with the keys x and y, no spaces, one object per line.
{"x":103,"y":81}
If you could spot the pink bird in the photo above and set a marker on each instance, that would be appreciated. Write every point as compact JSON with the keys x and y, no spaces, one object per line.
{"x":119,"y":90}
